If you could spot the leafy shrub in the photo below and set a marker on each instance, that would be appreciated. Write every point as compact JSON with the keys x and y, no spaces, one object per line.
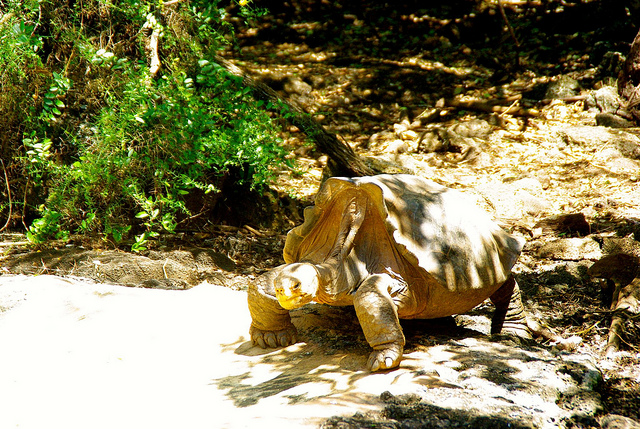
{"x":114,"y":150}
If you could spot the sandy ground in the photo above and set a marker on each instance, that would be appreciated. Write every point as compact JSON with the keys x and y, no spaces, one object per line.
{"x":77,"y":354}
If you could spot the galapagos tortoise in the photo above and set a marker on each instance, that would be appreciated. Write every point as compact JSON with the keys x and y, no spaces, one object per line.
{"x":393,"y":246}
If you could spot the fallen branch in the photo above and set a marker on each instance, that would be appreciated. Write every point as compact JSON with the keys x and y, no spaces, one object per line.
{"x":573,"y":99}
{"x":345,"y":161}
{"x":484,"y":106}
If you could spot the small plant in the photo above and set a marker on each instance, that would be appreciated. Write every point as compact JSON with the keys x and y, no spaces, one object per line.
{"x":47,"y":227}
{"x":38,"y":151}
{"x":52,"y":98}
{"x":142,"y":241}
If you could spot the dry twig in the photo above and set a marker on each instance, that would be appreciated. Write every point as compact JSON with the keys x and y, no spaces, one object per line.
{"x":483,"y":106}
{"x":6,"y":178}
{"x":152,"y":44}
{"x":506,"y":20}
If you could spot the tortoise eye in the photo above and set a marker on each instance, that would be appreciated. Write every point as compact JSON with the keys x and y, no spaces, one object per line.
{"x":295,"y":286}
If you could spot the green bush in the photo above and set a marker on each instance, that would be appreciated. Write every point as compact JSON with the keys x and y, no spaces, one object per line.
{"x":114,"y":150}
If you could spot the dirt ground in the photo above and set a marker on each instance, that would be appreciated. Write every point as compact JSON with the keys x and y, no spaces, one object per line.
{"x":376,"y":75}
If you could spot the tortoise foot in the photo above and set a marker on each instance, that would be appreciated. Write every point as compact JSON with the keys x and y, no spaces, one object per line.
{"x":273,"y":339}
{"x":516,"y":330}
{"x":385,"y":357}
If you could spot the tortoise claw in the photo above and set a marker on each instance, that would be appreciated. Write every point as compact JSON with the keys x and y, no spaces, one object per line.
{"x":273,"y":339}
{"x":385,"y":358}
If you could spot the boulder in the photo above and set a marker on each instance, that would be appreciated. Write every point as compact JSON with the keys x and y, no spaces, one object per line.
{"x":599,"y":138}
{"x":570,"y":249}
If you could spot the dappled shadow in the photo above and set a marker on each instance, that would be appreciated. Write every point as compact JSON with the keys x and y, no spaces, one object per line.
{"x":410,"y":54}
{"x":511,"y":374}
{"x":244,"y":395}
{"x":305,"y":365}
{"x":622,"y":396}
{"x":572,"y":301}
{"x":384,"y":27}
{"x":444,"y":366}
{"x":330,"y":358}
{"x":406,"y":412}
{"x":452,"y":239}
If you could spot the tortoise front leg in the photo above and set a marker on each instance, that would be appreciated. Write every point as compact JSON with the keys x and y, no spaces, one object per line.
{"x":378,"y":317}
{"x":271,"y":324}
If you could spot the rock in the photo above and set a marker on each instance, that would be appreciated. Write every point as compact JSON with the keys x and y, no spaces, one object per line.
{"x":627,"y":245}
{"x":397,"y":147}
{"x":570,"y":223}
{"x":532,"y":205}
{"x":570,"y":249}
{"x":516,"y":199}
{"x":381,"y":137}
{"x":476,"y":128}
{"x":597,"y":137}
{"x":297,"y":85}
{"x":450,"y":140}
{"x":434,"y":141}
{"x":614,"y":421}
{"x":621,"y":292}
{"x":300,"y":91}
{"x":171,"y":284}
{"x":617,"y":149}
{"x":562,"y":87}
{"x":613,"y":121}
{"x":629,"y":146}
{"x":97,"y":355}
{"x":604,"y":100}
{"x":611,"y":64}
{"x":619,"y":267}
{"x":612,"y":159}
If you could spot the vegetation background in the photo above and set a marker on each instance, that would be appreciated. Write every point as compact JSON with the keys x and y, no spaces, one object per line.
{"x":117,"y":120}
{"x":107,"y":132}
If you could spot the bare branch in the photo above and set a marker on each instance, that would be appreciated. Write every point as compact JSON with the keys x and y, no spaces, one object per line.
{"x":6,"y":178}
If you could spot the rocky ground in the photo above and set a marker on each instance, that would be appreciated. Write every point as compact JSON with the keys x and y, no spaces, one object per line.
{"x":415,"y":90}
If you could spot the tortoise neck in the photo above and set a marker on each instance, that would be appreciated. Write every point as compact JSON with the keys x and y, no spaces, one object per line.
{"x":326,"y":272}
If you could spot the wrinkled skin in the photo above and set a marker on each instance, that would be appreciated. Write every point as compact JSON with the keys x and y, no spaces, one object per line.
{"x":392,"y":247}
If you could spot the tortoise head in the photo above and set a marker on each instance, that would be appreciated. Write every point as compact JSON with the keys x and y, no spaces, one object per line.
{"x":296,"y":285}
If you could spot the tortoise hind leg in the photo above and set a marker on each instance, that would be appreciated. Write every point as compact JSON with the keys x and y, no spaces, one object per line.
{"x":510,"y":316}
